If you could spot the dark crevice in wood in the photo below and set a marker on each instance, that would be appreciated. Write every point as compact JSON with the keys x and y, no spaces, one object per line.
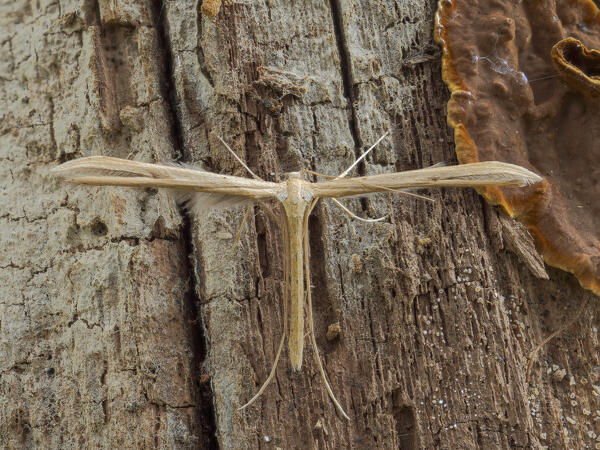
{"x":349,"y":87}
{"x":203,"y":396}
{"x":90,"y":10}
{"x":406,"y":423}
{"x":262,"y":246}
{"x":318,"y":277}
{"x":52,"y":131}
{"x":105,"y":409}
{"x":104,"y":74}
{"x":347,"y":78}
{"x":165,"y":58}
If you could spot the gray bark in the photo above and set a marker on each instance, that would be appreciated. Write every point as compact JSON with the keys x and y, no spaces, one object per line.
{"x":119,"y":328}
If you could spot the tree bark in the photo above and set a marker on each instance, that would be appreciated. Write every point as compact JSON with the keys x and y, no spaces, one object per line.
{"x":123,"y":324}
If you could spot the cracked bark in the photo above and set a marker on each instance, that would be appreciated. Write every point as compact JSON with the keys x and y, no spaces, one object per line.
{"x":117,"y":331}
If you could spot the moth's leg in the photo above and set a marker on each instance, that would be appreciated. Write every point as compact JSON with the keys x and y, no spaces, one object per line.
{"x":272,"y":215}
{"x":239,"y":232}
{"x":387,"y":189}
{"x":354,"y":216}
{"x":256,"y":177}
{"x":235,"y":241}
{"x":310,"y":318}
{"x":403,"y":191}
{"x":286,"y":293}
{"x":274,"y":367}
{"x":379,"y":219}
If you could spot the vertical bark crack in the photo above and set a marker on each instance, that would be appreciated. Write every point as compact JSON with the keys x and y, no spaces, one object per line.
{"x":406,"y":424}
{"x":159,"y":18}
{"x":202,"y":392}
{"x":348,"y":82}
{"x":346,"y":73}
{"x":52,"y":131}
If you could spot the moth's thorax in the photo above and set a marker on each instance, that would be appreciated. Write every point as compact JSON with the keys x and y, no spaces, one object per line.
{"x":296,"y":194}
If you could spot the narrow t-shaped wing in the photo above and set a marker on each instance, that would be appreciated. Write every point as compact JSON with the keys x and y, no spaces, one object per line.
{"x":465,"y":175}
{"x":107,"y":171}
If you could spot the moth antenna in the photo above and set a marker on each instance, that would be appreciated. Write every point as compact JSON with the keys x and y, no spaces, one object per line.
{"x":347,"y":171}
{"x":354,"y":216}
{"x":256,"y":177}
{"x":235,"y":241}
{"x":310,"y":318}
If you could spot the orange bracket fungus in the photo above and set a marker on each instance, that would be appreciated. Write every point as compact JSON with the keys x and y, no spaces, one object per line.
{"x":525,"y":88}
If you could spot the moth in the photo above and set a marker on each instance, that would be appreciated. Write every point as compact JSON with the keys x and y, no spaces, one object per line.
{"x":204,"y":190}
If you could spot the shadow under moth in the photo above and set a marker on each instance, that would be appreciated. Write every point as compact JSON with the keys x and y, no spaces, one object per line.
{"x":203,"y":191}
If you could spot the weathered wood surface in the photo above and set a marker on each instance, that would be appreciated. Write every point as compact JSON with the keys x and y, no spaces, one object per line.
{"x":119,"y":329}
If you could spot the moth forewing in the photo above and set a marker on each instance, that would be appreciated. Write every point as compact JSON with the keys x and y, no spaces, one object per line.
{"x":466,"y":175}
{"x":107,"y":171}
{"x":219,"y":186}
